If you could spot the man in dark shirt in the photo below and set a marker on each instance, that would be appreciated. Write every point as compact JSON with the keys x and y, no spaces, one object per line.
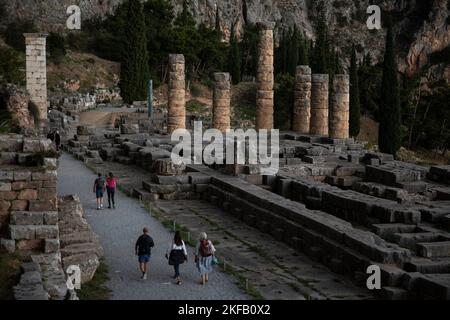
{"x":143,"y":250}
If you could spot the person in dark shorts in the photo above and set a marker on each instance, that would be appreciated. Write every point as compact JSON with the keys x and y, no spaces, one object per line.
{"x":99,"y":190}
{"x":143,"y":250}
{"x":57,"y":140}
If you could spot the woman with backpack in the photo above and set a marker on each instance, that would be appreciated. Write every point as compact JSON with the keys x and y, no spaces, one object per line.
{"x":204,"y":256}
{"x":177,"y":254}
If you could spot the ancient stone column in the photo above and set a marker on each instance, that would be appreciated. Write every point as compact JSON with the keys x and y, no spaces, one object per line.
{"x":265,"y":78}
{"x":222,"y":101}
{"x":340,"y":108}
{"x":302,"y":100}
{"x":176,"y":117}
{"x":36,"y":70}
{"x":319,"y":105}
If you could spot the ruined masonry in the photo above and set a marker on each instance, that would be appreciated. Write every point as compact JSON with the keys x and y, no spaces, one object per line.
{"x":176,"y":118}
{"x":319,"y":105}
{"x":265,"y":78}
{"x":36,"y":69}
{"x":222,"y":101}
{"x":302,"y":100}
{"x":340,"y":108}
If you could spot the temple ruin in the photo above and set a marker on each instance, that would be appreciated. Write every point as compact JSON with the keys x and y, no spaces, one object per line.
{"x":222,"y":102}
{"x":301,"y":116}
{"x":265,"y":78}
{"x":36,"y":71}
{"x":176,"y":118}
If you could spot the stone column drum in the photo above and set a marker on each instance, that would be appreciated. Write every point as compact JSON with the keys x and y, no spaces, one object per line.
{"x":176,"y":117}
{"x":222,"y":101}
{"x":265,"y":78}
{"x":319,"y":105}
{"x":36,"y":71}
{"x":302,"y":100}
{"x":340,"y":108}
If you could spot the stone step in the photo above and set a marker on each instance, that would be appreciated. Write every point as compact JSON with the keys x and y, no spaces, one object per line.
{"x":77,"y":238}
{"x":82,"y":248}
{"x":144,"y":195}
{"x":436,"y":286}
{"x":427,"y":266}
{"x":394,"y":293}
{"x":410,"y":240}
{"x":434,"y":249}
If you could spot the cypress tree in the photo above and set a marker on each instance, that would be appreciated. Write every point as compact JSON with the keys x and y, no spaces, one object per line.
{"x":134,"y":67}
{"x":390,"y":116}
{"x":234,"y":60}
{"x":303,"y":58}
{"x":293,"y":53}
{"x":355,"y":106}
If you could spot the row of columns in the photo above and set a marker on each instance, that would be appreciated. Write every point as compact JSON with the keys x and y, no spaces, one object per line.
{"x":313,"y":113}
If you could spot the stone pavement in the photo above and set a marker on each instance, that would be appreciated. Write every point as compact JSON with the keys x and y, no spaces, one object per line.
{"x":118,"y":230}
{"x":253,"y":254}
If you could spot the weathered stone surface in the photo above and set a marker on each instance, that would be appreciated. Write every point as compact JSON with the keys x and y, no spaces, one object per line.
{"x":176,"y":116}
{"x":8,"y":245}
{"x":27,"y":218}
{"x":302,"y":100}
{"x":222,"y":101}
{"x":319,"y":105}
{"x":340,"y":108}
{"x":265,"y":78}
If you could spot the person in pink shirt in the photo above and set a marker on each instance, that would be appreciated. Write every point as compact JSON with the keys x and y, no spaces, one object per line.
{"x":111,"y":185}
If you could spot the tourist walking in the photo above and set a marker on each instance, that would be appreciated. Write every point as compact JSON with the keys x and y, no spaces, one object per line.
{"x":177,"y":255}
{"x":143,"y":250}
{"x":99,"y":190}
{"x":204,"y":257}
{"x":57,"y":137}
{"x":111,"y":184}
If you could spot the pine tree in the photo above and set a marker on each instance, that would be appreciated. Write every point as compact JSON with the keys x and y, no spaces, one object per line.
{"x":355,"y":105}
{"x":390,"y":113}
{"x":134,"y":68}
{"x":234,"y":60}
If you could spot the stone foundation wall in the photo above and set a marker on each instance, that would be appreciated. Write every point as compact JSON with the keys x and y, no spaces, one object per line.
{"x":28,"y":196}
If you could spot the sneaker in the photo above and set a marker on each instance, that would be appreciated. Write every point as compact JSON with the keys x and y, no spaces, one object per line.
{"x":144,"y":277}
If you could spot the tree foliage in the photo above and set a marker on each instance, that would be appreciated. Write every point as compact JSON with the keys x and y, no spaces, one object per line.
{"x":390,"y":132}
{"x":134,"y":73}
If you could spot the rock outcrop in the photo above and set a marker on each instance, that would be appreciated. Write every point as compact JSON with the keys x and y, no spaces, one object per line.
{"x":16,"y":102}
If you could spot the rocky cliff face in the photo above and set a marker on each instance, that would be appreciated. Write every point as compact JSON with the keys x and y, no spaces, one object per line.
{"x":422,"y":25}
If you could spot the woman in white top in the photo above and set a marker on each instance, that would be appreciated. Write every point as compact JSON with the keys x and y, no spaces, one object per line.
{"x":177,"y":254}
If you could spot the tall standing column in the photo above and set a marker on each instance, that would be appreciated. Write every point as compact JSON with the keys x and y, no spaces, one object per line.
{"x":176,"y":117}
{"x":265,"y":78}
{"x":319,"y":105}
{"x":340,"y":108}
{"x":302,"y":100}
{"x":222,"y":101}
{"x":36,"y":70}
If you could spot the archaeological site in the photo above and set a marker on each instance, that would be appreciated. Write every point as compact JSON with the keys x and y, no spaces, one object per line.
{"x":330,"y":141}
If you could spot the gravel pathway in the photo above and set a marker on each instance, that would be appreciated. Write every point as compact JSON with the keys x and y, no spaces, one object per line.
{"x":118,"y":230}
